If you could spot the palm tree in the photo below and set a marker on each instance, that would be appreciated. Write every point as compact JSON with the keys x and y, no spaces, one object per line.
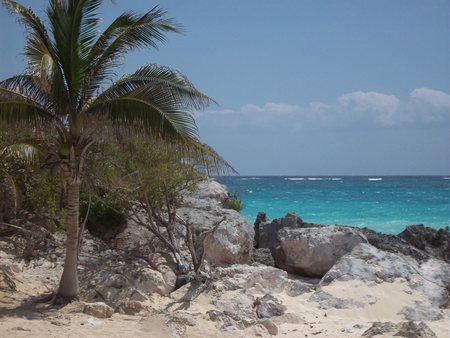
{"x":65,"y":90}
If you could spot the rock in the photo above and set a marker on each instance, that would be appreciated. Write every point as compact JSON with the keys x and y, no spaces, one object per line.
{"x":269,"y":325}
{"x":435,"y":242}
{"x":369,"y":264}
{"x":268,"y":231}
{"x":260,"y":218}
{"x":263,"y":279}
{"x":232,"y":240}
{"x":263,"y":256}
{"x":131,"y":307}
{"x":210,"y":189}
{"x":138,"y":296}
{"x":404,"y":329}
{"x":313,"y":251}
{"x":268,"y":306}
{"x":150,"y":281}
{"x":99,"y":310}
{"x":393,"y":243}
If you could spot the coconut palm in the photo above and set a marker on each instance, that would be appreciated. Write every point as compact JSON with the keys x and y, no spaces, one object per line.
{"x":68,"y":90}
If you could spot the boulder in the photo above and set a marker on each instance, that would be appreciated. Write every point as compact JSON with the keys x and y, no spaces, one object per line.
{"x":229,"y":237}
{"x":150,"y":281}
{"x":99,"y":310}
{"x":313,"y":251}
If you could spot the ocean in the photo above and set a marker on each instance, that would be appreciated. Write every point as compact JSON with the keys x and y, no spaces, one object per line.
{"x":384,"y":204}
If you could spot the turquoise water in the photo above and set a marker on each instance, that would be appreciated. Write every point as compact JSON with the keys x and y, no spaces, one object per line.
{"x":385,"y":204}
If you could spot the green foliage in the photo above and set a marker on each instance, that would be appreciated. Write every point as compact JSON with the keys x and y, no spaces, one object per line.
{"x":234,"y":202}
{"x":44,"y":195}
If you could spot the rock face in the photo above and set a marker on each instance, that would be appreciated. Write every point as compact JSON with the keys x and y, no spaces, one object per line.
{"x":313,"y":251}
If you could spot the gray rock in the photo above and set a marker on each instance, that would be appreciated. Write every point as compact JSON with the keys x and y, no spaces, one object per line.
{"x":267,"y":234}
{"x":232,"y":242}
{"x":435,"y":242}
{"x":264,"y":279}
{"x":313,"y":251}
{"x":366,"y":263}
{"x":268,"y":306}
{"x":408,"y":329}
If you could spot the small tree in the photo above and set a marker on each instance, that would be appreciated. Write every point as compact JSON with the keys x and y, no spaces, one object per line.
{"x":68,"y":90}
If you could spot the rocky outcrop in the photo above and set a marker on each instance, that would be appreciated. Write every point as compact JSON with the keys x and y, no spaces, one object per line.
{"x":393,"y":243}
{"x":435,"y":242}
{"x":313,"y":251}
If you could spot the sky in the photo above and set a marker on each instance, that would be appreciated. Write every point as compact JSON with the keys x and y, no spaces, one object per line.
{"x":318,"y":87}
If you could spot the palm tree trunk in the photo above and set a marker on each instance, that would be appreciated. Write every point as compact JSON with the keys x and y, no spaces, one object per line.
{"x":68,"y":286}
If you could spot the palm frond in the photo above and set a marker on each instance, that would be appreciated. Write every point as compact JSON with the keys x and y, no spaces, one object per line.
{"x":73,"y":24}
{"x":26,"y":151}
{"x":38,"y":46}
{"x":127,"y":33}
{"x":205,"y":158}
{"x":40,"y":52}
{"x":30,"y":87}
{"x":158,"y":97}
{"x":15,"y":107}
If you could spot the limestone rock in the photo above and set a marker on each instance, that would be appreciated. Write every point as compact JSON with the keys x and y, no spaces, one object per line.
{"x":99,"y":310}
{"x":368,"y":264}
{"x":313,"y":251}
{"x":403,"y":329}
{"x":151,"y":280}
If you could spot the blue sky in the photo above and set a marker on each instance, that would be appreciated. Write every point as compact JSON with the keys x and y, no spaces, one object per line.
{"x":306,"y":87}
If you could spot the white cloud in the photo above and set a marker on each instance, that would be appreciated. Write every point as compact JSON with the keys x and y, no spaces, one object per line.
{"x":436,"y":98}
{"x":370,"y":101}
{"x":271,"y":107}
{"x":356,"y":109}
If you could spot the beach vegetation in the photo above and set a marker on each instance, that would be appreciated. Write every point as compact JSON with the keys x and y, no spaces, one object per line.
{"x":69,"y":92}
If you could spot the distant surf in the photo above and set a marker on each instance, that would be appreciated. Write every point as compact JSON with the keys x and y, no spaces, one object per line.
{"x":375,"y":179}
{"x":295,"y":178}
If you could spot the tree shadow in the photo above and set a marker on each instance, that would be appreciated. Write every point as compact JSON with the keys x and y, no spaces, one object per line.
{"x":31,"y":308}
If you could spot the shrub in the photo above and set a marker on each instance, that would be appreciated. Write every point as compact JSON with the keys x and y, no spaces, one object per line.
{"x":234,"y":202}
